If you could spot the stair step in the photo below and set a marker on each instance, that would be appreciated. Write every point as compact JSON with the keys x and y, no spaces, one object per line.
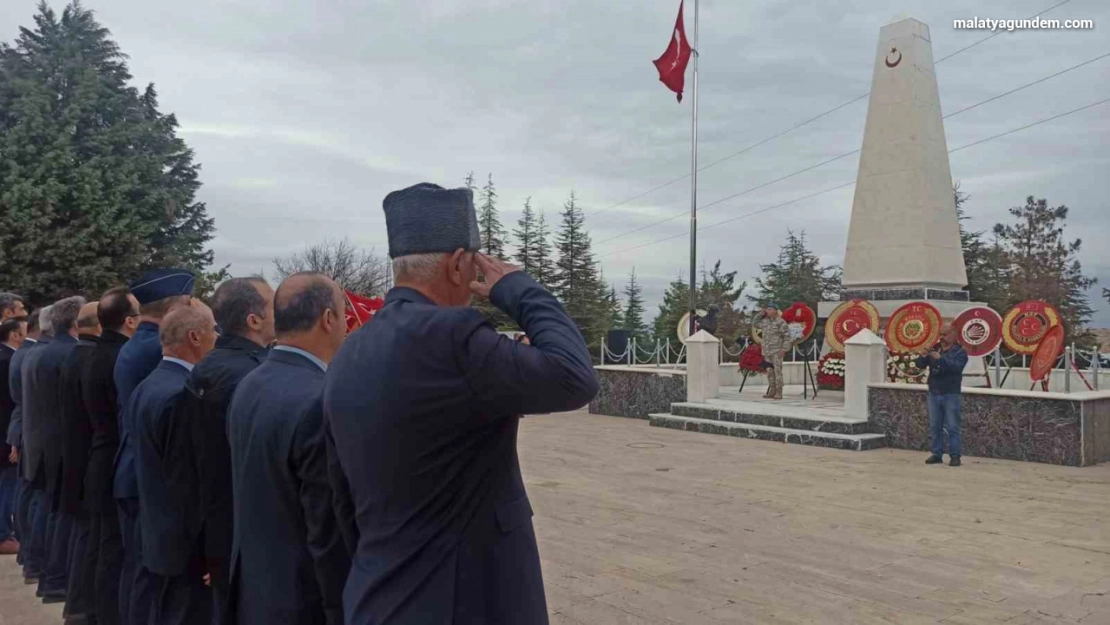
{"x":774,"y":416}
{"x":853,"y":442}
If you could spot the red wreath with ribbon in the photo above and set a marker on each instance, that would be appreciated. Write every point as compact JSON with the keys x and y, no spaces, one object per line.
{"x":360,"y":310}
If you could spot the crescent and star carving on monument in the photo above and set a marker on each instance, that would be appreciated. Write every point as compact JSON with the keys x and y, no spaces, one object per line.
{"x":896,"y":61}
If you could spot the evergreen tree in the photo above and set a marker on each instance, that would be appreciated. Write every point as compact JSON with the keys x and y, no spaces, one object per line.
{"x":614,"y":310}
{"x":985,"y":282}
{"x":469,"y":181}
{"x":676,"y":303}
{"x":720,"y":288}
{"x":95,"y":186}
{"x":544,"y":255}
{"x":1042,"y":264}
{"x":797,"y":276}
{"x":525,"y":235}
{"x":491,"y":232}
{"x":576,"y":282}
{"x":632,"y":318}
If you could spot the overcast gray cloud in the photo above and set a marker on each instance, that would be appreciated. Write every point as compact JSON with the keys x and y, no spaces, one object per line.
{"x":305,"y":115}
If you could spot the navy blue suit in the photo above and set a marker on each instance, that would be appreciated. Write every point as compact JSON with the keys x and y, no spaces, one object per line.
{"x":25,"y":506}
{"x":135,"y":361}
{"x":167,"y":498}
{"x":423,"y":403}
{"x":43,"y":407}
{"x":289,"y":561}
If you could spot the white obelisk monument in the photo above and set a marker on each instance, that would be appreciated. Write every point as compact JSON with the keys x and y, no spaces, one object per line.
{"x":904,"y":238}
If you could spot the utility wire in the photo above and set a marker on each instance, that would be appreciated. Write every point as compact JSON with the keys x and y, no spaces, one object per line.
{"x":844,"y":155}
{"x":799,"y":124}
{"x":848,"y":184}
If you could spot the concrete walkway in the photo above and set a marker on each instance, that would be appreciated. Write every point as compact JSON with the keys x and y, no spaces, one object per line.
{"x":647,"y":525}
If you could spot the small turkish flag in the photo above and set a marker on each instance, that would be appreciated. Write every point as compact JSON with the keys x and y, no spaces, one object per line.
{"x":672,"y":65}
{"x":360,"y":310}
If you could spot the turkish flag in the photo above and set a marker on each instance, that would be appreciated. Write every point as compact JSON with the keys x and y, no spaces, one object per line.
{"x":360,"y":310}
{"x":672,"y":65}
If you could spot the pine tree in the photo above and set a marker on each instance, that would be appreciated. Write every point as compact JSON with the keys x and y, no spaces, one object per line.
{"x":985,"y":280}
{"x":491,"y":232}
{"x":95,"y":186}
{"x":1042,"y":265}
{"x":614,"y":311}
{"x":544,"y":255}
{"x":676,"y":303}
{"x":633,"y":317}
{"x":576,"y":281}
{"x":797,"y":276}
{"x":720,"y":288}
{"x":525,"y":235}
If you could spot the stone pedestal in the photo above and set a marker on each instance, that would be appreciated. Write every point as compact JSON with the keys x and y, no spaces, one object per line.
{"x":864,"y":363}
{"x":702,"y":367}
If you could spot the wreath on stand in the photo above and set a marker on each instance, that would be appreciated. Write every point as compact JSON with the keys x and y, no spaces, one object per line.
{"x":830,"y":372}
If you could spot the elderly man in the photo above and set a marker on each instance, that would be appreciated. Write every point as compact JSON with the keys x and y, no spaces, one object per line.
{"x":12,"y":333}
{"x":244,"y":310}
{"x":167,"y":482}
{"x":72,"y":439}
{"x":289,"y":561}
{"x":159,"y":292}
{"x":775,"y":337}
{"x":43,"y":407}
{"x":946,"y":362}
{"x":25,"y":507}
{"x":118,"y":313}
{"x":423,"y":403}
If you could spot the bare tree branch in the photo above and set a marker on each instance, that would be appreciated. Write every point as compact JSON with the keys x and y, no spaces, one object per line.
{"x":360,"y":271}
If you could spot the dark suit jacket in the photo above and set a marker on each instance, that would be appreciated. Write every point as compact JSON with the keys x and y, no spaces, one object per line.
{"x":210,"y":386}
{"x":7,"y":406}
{"x":135,"y":361}
{"x":423,"y":404}
{"x":289,"y":561}
{"x":75,"y":437}
{"x":167,"y":484}
{"x":15,"y":385}
{"x":98,"y":388}
{"x":42,"y":409}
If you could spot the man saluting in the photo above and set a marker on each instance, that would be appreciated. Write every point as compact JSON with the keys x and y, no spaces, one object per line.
{"x":423,"y":404}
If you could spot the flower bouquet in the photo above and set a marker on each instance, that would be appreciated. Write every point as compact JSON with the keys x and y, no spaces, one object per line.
{"x":751,"y":359}
{"x":830,"y":372}
{"x":903,"y":368}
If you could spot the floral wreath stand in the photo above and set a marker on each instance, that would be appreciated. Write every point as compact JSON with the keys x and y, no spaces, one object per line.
{"x":809,"y":381}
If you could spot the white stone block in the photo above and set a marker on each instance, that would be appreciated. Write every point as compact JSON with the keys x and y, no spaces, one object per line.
{"x":702,"y":367}
{"x":864,"y":363}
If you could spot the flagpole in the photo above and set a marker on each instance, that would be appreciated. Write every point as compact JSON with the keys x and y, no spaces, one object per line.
{"x":694,"y":183}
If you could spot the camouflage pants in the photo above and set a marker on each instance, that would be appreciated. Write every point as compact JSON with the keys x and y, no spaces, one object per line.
{"x":774,"y":373}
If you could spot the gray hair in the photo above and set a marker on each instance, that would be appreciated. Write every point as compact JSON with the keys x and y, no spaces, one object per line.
{"x":235,"y":300}
{"x":64,"y":312}
{"x":8,"y":301}
{"x":45,"y":320}
{"x":417,"y":267}
{"x":177,"y":325}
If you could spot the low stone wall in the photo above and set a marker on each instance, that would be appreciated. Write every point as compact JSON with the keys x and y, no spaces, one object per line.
{"x":1054,"y":428}
{"x":637,"y":392}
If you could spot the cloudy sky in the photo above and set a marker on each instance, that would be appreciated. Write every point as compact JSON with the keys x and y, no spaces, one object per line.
{"x":305,"y":114}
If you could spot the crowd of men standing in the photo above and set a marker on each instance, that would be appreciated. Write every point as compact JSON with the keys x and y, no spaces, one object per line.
{"x":116,"y":494}
{"x":174,"y":463}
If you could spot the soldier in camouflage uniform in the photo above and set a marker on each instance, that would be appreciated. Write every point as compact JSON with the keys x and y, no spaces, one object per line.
{"x":775,"y":335}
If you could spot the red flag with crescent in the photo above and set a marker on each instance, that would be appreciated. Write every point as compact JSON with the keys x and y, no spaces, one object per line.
{"x":360,"y":310}
{"x":672,"y":65}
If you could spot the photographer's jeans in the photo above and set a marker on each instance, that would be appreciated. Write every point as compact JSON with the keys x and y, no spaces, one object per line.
{"x":944,"y":415}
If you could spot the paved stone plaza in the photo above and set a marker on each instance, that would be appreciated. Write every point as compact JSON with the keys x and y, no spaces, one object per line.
{"x":649,"y":525}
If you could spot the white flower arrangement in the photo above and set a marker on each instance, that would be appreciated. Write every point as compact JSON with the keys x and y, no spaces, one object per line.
{"x":903,"y":368}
